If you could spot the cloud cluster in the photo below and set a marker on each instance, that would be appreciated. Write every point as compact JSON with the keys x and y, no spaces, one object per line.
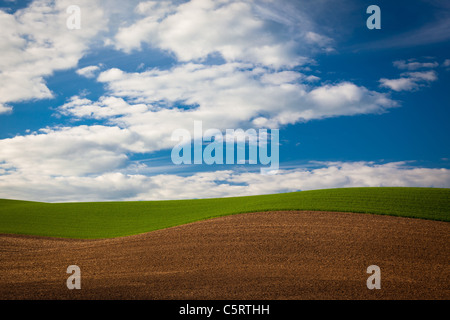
{"x":35,"y":42}
{"x":68,"y":151}
{"x":152,"y":104}
{"x":199,"y":28}
{"x":236,"y":94}
{"x":121,"y":186}
{"x":410,"y":81}
{"x":236,"y":66}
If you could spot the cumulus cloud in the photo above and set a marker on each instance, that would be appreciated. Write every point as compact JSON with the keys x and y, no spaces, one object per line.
{"x":257,"y":84}
{"x":88,"y":72}
{"x":409,"y":81}
{"x":122,"y":186}
{"x":35,"y":42}
{"x":233,"y":95}
{"x":68,"y":151}
{"x":198,"y":28}
{"x":145,"y":127}
{"x":402,"y":84}
{"x":4,"y":108}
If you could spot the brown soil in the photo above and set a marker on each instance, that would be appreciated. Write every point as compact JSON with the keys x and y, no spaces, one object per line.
{"x":277,"y":255}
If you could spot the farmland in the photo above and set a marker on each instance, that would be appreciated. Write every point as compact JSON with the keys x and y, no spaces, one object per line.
{"x":93,"y":220}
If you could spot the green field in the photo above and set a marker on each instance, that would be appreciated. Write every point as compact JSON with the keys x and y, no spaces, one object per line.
{"x":114,"y":219}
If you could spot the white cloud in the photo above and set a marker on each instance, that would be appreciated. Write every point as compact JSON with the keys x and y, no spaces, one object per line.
{"x":68,"y":151}
{"x":234,"y":95}
{"x":198,"y":28}
{"x":35,"y":42}
{"x":4,"y":108}
{"x":322,"y":41}
{"x":409,"y":81}
{"x":225,"y":97}
{"x":422,"y":76}
{"x":414,"y":65}
{"x":402,"y":84}
{"x":446,"y":64}
{"x":88,"y":72}
{"x":106,"y":107}
{"x":256,"y":86}
{"x":121,"y":186}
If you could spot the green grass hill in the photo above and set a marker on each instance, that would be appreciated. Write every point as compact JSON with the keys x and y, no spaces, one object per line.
{"x":113,"y":219}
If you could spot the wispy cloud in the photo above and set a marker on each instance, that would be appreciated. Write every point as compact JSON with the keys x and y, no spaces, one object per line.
{"x":414,"y":65}
{"x":446,"y":64}
{"x":436,"y":29}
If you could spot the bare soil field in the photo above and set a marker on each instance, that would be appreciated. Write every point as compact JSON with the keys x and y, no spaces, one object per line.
{"x":276,"y":255}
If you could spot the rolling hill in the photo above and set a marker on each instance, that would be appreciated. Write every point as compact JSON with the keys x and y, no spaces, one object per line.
{"x":89,"y":220}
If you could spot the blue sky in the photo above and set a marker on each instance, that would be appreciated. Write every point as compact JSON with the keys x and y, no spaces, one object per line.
{"x":88,"y":114}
